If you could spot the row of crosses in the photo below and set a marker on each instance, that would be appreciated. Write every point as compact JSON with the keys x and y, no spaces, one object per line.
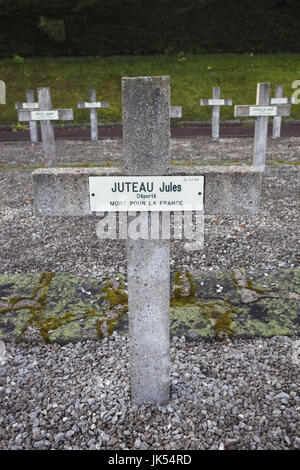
{"x":93,"y":105}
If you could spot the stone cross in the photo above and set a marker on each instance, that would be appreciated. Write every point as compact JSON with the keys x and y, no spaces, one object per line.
{"x":216,"y":102}
{"x":46,"y":115}
{"x":2,"y":92}
{"x":30,"y":106}
{"x":261,"y":111}
{"x":279,"y":100}
{"x":93,"y":105}
{"x":68,"y":192}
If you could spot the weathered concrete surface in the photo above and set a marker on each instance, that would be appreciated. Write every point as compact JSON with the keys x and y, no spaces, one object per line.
{"x":70,"y":308}
{"x":228,"y":190}
{"x":146,"y":125}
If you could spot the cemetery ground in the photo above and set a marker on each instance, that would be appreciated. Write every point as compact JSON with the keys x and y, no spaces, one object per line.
{"x":192,"y":78}
{"x":61,"y":288}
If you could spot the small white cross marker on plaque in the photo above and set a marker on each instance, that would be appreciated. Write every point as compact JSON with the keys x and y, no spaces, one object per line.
{"x":93,"y":105}
{"x":216,"y":102}
{"x":262,"y":110}
{"x":30,"y":106}
{"x":2,"y":92}
{"x":279,"y":100}
{"x":46,"y":115}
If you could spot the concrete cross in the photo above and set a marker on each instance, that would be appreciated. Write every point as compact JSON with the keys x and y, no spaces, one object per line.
{"x":69,"y":192}
{"x":261,"y":111}
{"x":30,"y":106}
{"x":46,"y":116}
{"x":2,"y":92}
{"x":216,"y":102}
{"x":93,"y":105}
{"x":279,"y":100}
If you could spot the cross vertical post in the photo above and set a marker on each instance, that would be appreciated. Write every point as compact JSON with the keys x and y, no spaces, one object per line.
{"x":47,"y":130}
{"x":30,"y":106}
{"x":261,"y":127}
{"x":277,"y":119}
{"x":93,"y":115}
{"x":146,"y":102}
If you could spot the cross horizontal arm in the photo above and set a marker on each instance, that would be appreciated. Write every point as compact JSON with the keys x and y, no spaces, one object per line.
{"x":89,"y":105}
{"x":215,"y":102}
{"x":65,"y":191}
{"x":63,"y":115}
{"x":249,"y":111}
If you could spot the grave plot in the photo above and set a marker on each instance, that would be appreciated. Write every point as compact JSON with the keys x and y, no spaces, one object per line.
{"x":46,"y":115}
{"x":279,"y":99}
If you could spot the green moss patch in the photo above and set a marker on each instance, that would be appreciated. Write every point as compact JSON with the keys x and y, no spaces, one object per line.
{"x":209,"y":305}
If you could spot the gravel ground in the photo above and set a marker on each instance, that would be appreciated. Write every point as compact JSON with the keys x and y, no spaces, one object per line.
{"x":241,"y":395}
{"x":237,"y":396}
{"x":267,"y":240}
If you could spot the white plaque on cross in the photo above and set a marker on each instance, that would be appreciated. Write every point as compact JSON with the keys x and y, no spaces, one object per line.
{"x":146,"y":193}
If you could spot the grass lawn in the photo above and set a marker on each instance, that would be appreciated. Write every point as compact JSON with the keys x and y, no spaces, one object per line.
{"x":192,"y":78}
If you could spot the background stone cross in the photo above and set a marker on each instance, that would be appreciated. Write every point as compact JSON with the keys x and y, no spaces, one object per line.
{"x":2,"y":92}
{"x":216,"y":102}
{"x":93,"y":105}
{"x":46,"y":115}
{"x":261,"y":111}
{"x":66,"y":192}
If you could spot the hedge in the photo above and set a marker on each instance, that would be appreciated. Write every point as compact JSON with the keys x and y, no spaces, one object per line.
{"x":107,"y":27}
